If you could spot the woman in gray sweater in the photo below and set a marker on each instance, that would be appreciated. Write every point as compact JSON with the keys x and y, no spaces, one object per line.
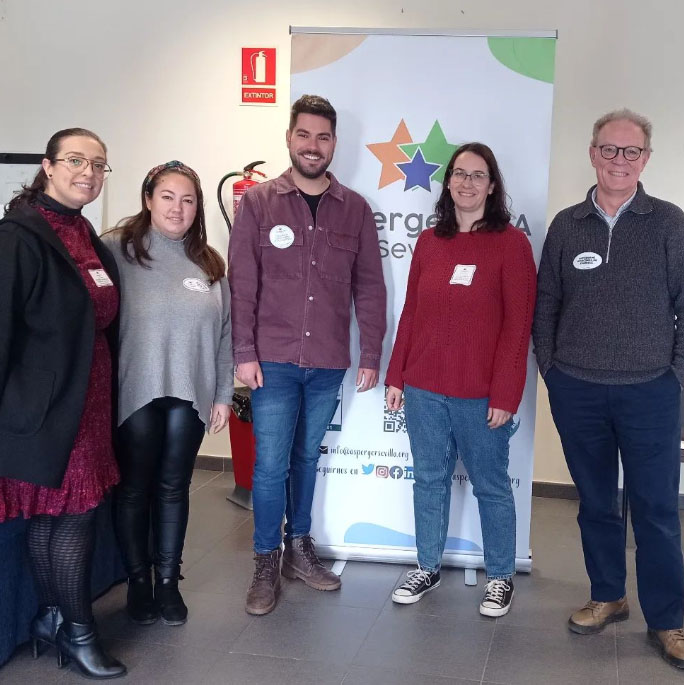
{"x":175,"y":378}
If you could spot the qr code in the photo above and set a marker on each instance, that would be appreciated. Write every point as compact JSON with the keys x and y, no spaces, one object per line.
{"x":394,"y":421}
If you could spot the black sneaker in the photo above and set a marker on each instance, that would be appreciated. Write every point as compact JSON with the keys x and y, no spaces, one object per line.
{"x":419,"y":582}
{"x":497,"y":598}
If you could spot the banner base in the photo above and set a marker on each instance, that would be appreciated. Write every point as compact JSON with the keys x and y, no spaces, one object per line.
{"x":397,"y":555}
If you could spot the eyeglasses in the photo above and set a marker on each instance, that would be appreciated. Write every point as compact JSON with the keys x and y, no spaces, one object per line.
{"x":631,"y":153}
{"x":76,"y":164}
{"x":478,"y":178}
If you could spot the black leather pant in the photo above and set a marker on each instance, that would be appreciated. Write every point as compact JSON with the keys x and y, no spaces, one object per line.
{"x":157,"y":446}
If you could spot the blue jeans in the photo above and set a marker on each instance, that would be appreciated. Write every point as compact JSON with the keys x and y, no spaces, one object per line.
{"x":642,"y":422}
{"x":291,"y":414}
{"x":439,"y":428}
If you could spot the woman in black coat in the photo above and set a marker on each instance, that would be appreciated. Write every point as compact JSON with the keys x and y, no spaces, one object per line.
{"x":58,"y":311}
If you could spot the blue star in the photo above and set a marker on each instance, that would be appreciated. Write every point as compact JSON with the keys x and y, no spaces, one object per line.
{"x":418,"y":171}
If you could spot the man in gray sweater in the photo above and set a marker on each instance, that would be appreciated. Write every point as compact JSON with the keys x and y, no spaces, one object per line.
{"x":611,"y":282}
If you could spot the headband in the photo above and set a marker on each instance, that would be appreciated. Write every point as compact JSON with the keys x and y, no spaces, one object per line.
{"x":173,"y":165}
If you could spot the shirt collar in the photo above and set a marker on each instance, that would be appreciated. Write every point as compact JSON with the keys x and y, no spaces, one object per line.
{"x":285,"y":184}
{"x":639,"y":203}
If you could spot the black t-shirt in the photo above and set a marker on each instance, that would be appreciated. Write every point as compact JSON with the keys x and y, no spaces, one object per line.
{"x":312,"y":201}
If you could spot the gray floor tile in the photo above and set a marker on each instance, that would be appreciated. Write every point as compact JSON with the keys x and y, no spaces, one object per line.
{"x":639,"y":662}
{"x":544,"y":602}
{"x":365,"y":675}
{"x":363,"y":585}
{"x":431,"y":645}
{"x":173,"y":665}
{"x":331,"y":634}
{"x":214,"y":622}
{"x":201,"y":477}
{"x":250,"y":669}
{"x":22,"y":668}
{"x":521,"y":656}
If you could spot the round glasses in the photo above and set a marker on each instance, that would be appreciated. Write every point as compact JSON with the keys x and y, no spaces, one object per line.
{"x":76,"y":164}
{"x":478,"y":178}
{"x":631,"y":153}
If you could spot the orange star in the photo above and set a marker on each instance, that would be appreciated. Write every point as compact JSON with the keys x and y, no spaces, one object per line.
{"x":390,"y":154}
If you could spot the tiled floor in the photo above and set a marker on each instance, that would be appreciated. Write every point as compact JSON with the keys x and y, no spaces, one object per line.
{"x":358,"y":636}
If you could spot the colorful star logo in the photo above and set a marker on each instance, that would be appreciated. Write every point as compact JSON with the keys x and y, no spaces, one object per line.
{"x":415,"y":163}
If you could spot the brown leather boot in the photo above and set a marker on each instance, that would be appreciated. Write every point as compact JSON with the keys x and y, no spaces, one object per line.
{"x":671,"y":645}
{"x":593,"y":617}
{"x":301,"y":561}
{"x":263,"y":593}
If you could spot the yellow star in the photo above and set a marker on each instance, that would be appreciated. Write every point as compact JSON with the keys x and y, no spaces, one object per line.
{"x":390,"y":154}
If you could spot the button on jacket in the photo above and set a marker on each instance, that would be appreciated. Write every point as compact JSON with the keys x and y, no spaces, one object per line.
{"x":293,"y":303}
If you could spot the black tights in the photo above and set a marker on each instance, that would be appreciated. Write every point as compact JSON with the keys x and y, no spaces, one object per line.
{"x":157,"y":449}
{"x":61,"y":553}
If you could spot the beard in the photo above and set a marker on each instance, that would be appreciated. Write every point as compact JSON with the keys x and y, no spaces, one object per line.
{"x":311,"y":172}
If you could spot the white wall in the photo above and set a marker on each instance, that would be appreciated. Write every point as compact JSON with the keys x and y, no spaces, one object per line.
{"x":159,"y":80}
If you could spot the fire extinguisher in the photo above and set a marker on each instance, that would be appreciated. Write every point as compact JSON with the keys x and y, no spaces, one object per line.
{"x":239,"y":188}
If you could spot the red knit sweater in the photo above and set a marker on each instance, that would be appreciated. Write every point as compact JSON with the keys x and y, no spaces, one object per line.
{"x":467,"y":341}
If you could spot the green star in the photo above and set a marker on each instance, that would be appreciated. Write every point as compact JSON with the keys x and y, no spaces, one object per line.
{"x":435,"y":149}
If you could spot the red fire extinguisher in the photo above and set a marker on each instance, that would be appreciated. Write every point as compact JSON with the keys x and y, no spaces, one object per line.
{"x":239,"y":188}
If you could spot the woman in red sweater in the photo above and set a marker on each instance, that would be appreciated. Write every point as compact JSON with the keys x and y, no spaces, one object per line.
{"x":460,"y":357}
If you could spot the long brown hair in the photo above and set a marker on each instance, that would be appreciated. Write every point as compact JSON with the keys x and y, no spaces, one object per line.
{"x":133,"y":229}
{"x":496,"y":215}
{"x":29,"y":193}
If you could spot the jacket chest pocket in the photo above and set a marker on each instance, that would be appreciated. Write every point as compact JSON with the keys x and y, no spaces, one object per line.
{"x":281,"y":262}
{"x":339,"y":256}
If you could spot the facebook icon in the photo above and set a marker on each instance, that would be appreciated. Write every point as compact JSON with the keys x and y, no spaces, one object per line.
{"x":396,"y":472}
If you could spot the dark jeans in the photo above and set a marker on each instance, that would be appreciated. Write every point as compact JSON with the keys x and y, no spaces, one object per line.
{"x":157,"y":446}
{"x":291,"y":414}
{"x":642,"y":422}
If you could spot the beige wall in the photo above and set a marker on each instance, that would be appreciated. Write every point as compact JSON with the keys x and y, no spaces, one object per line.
{"x":158,"y":80}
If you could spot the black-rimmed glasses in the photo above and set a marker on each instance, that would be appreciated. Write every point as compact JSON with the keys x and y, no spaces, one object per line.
{"x":631,"y":153}
{"x":76,"y":164}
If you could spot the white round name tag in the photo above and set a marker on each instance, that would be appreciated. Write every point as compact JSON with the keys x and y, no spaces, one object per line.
{"x":587,"y":260}
{"x":196,"y":284}
{"x":281,"y":236}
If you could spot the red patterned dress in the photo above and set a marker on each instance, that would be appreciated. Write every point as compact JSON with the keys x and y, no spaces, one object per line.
{"x":92,"y":468}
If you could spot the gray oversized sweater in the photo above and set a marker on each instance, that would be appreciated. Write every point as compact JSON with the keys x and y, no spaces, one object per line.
{"x":175,"y":337}
{"x":607,"y":298}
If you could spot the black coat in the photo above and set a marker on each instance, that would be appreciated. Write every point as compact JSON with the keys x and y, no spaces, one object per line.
{"x":47,"y":331}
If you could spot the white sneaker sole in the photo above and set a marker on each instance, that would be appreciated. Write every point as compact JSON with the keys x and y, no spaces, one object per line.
{"x":495,"y":613}
{"x":412,"y":599}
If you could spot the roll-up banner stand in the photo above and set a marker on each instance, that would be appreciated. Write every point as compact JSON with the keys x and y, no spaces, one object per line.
{"x":405,"y":102}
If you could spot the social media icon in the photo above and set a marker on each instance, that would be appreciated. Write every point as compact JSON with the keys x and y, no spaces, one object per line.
{"x":396,"y":472}
{"x":323,"y":449}
{"x":381,"y":471}
{"x":367,"y":469}
{"x":408,"y":472}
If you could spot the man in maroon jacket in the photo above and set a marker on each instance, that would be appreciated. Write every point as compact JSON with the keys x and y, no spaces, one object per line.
{"x":302,"y":247}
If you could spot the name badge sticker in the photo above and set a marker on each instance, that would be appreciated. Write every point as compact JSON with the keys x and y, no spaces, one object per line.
{"x":100,"y":278}
{"x":195,"y":284}
{"x":281,"y":236}
{"x":587,"y":260}
{"x":463,"y":274}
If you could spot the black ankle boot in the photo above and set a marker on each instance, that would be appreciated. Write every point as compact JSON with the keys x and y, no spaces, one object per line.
{"x":171,"y":605}
{"x":44,"y":627}
{"x":79,"y":642}
{"x":140,"y":603}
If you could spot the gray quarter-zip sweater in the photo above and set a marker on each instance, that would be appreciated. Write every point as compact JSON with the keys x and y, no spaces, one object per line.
{"x":607,"y":297}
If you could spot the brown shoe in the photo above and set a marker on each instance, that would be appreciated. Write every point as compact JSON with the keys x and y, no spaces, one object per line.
{"x":671,"y":645}
{"x":593,"y":617}
{"x":301,"y":561}
{"x":263,"y":593}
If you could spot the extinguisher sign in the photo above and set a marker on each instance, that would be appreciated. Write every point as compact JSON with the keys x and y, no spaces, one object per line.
{"x":258,"y":76}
